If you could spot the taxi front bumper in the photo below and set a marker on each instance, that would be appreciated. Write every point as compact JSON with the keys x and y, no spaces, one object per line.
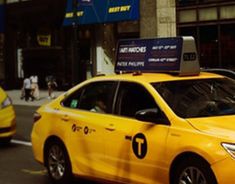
{"x":37,"y":146}
{"x":7,"y":122}
{"x":224,"y":171}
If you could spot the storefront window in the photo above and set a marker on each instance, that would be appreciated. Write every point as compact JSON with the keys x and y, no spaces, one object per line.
{"x":228,"y":46}
{"x":208,"y":14}
{"x":227,"y":12}
{"x":188,"y":31}
{"x":209,"y":52}
{"x":187,"y":16}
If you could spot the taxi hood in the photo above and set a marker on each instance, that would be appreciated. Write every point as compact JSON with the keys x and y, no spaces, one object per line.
{"x":222,"y":126}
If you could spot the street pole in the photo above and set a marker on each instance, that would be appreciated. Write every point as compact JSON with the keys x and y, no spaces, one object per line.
{"x":75,"y":67}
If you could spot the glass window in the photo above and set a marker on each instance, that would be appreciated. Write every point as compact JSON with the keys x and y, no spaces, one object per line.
{"x":73,"y":100}
{"x":206,"y":14}
{"x":227,"y":12}
{"x":199,"y":98}
{"x":209,"y":48}
{"x":187,"y":2}
{"x":207,"y":1}
{"x":133,"y":97}
{"x":187,"y":16}
{"x":95,"y":97}
{"x":227,"y":38}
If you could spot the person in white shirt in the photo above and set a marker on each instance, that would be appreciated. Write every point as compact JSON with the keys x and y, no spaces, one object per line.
{"x":99,"y":104}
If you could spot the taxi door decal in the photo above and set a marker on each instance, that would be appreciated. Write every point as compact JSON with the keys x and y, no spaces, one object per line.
{"x":139,"y":145}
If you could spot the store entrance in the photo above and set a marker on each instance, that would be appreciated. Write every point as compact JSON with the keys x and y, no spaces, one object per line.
{"x":86,"y":59}
{"x":42,"y":63}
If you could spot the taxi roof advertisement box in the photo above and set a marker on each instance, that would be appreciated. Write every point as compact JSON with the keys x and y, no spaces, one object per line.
{"x":177,"y":54}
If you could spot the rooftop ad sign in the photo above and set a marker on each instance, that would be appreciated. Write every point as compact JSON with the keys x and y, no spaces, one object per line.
{"x":100,"y":11}
{"x":176,"y":54}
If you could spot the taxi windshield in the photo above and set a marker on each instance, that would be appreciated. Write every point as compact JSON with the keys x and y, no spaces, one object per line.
{"x":200,"y":97}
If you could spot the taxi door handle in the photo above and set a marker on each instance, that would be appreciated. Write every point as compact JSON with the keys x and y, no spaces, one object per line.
{"x":128,"y":137}
{"x":65,"y":117}
{"x":110,"y":127}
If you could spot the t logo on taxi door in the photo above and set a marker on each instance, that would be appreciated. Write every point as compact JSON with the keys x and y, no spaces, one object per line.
{"x":139,"y":145}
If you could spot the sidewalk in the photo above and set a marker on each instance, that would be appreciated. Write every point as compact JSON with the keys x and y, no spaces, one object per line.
{"x":15,"y":96}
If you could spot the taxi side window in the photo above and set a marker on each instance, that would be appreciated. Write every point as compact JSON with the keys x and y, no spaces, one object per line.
{"x":98,"y":97}
{"x":73,"y":100}
{"x":133,"y":97}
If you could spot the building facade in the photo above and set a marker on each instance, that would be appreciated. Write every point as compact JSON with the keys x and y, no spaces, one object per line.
{"x":212,"y":23}
{"x":33,"y":40}
{"x":37,"y":42}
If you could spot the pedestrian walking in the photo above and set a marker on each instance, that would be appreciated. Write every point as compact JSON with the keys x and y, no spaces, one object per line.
{"x":52,"y":85}
{"x":34,"y":86}
{"x":27,"y":89}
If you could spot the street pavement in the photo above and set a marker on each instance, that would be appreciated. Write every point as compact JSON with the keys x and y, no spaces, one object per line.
{"x":15,"y":96}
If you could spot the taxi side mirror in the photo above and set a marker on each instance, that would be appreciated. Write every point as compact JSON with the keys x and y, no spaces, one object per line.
{"x":153,"y":115}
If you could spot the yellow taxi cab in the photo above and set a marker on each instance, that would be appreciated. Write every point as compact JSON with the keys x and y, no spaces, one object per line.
{"x":141,"y":128}
{"x":7,"y":118}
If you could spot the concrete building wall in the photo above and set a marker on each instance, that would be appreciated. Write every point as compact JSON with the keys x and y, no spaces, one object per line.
{"x":148,"y":19}
{"x":166,"y":18}
{"x":158,"y":18}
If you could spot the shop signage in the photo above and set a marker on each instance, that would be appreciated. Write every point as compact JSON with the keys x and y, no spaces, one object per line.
{"x":176,"y":54}
{"x":95,"y":11}
{"x":44,"y":40}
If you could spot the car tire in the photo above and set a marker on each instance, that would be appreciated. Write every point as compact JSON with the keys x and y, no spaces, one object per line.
{"x":57,"y":163}
{"x":193,"y":170}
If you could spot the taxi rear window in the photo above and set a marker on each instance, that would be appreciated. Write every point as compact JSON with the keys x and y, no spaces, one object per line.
{"x":199,"y":98}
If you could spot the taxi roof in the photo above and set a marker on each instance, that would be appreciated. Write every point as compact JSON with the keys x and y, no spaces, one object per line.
{"x":155,"y":77}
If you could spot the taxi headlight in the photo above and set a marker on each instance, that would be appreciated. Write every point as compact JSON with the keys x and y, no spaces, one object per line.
{"x":6,"y":102}
{"x":230,"y":148}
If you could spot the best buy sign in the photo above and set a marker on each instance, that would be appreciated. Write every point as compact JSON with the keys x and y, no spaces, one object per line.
{"x":101,"y":11}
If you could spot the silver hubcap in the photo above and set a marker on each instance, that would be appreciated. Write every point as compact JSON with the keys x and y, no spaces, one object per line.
{"x":56,"y":162}
{"x":192,"y":175}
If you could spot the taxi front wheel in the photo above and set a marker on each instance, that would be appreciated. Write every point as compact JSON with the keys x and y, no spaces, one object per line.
{"x":194,"y":171}
{"x":58,"y":163}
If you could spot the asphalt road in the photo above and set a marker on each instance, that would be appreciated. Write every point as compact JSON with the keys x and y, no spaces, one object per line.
{"x":24,"y":120}
{"x":17,"y":164}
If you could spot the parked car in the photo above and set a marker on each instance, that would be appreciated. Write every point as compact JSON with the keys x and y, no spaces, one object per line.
{"x":7,"y":118}
{"x":221,"y":71}
{"x":153,"y":128}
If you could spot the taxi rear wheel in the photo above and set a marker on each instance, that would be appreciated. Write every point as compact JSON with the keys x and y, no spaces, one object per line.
{"x":194,"y":171}
{"x":58,"y":163}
